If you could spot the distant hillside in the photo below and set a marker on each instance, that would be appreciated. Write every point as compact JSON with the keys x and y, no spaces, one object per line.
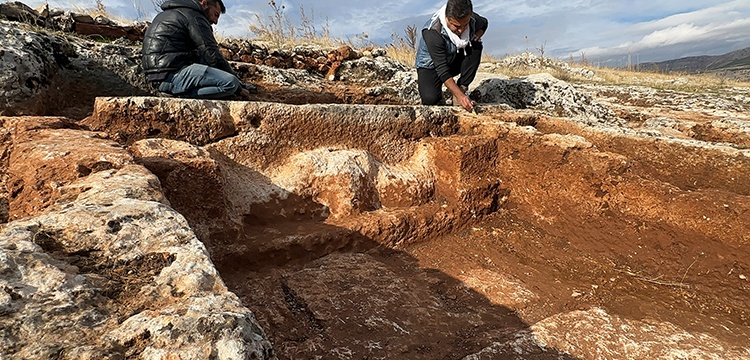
{"x":734,"y":65}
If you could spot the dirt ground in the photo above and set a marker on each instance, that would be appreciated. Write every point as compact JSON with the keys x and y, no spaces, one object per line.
{"x":631,"y":269}
{"x":565,"y":239}
{"x":645,"y":229}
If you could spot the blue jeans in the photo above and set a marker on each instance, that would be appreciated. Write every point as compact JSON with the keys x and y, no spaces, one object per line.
{"x":201,"y":82}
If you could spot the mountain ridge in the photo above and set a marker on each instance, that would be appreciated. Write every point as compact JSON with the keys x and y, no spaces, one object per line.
{"x":734,"y":65}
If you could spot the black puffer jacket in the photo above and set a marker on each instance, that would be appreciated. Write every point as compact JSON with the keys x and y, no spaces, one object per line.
{"x":179,"y":36}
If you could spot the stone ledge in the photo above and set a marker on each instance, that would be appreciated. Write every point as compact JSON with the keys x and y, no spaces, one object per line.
{"x":387,"y":131}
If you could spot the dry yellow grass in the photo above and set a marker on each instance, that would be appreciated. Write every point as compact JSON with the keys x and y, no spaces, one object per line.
{"x":403,"y":54}
{"x":489,"y":58}
{"x":279,"y":30}
{"x":609,"y":76}
{"x":672,"y":81}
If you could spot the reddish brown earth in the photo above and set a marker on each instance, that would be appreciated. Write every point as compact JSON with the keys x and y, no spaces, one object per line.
{"x":525,"y":223}
{"x":637,"y":227}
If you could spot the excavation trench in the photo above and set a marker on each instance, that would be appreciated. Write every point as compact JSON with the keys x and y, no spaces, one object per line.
{"x":414,"y":232}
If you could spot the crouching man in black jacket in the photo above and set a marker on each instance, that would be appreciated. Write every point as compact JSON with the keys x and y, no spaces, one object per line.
{"x":181,"y":56}
{"x":451,"y":44}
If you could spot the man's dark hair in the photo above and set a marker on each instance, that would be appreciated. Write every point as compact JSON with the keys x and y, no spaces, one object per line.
{"x":221,"y":4}
{"x":458,"y":9}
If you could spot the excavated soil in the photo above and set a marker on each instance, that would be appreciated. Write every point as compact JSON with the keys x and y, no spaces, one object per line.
{"x":530,"y":217}
{"x":642,"y":228}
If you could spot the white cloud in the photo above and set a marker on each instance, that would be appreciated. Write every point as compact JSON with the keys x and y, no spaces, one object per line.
{"x":721,"y":28}
{"x":657,"y":30}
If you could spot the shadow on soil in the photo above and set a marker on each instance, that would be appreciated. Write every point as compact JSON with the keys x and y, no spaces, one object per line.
{"x":72,"y":91}
{"x":324,"y":291}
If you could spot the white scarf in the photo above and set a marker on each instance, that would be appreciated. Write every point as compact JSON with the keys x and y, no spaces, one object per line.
{"x":460,"y":41}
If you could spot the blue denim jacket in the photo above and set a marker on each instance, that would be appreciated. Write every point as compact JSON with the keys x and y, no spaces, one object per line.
{"x":424,"y":60}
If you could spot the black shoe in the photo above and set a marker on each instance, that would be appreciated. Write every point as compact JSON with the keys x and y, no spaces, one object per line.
{"x":250,"y":87}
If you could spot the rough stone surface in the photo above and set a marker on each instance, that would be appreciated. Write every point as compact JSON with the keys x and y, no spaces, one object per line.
{"x":29,"y":63}
{"x":44,"y":157}
{"x":191,"y":120}
{"x":384,"y":131}
{"x":104,"y":267}
{"x":351,"y":182}
{"x":45,"y":73}
{"x":541,"y":64}
{"x":616,"y":338}
{"x":113,"y":271}
{"x":628,"y":339}
{"x":19,"y":12}
{"x":546,"y":93}
{"x":187,"y":172}
{"x":370,"y":71}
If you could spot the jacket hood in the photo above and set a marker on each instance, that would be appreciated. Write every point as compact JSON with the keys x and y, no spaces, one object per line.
{"x":173,"y":4}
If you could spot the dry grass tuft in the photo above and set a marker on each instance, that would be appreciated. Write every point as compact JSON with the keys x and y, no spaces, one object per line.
{"x":276,"y":28}
{"x":696,"y":83}
{"x":574,"y":72}
{"x":404,"y":55}
{"x":404,"y":48}
{"x":279,"y":30}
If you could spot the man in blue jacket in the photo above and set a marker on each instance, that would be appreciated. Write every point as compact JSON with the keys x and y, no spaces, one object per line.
{"x":450,"y":45}
{"x":181,"y":56}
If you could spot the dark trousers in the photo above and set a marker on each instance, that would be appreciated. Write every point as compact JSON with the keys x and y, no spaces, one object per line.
{"x":430,"y":86}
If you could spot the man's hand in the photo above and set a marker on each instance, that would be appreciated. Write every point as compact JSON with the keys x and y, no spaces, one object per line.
{"x":466,"y":103}
{"x":249,"y":87}
{"x":246,"y":89}
{"x":459,"y":95}
{"x":245,"y":94}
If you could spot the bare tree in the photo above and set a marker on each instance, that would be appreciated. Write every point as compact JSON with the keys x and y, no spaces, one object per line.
{"x":409,"y":41}
{"x":541,"y":49}
{"x":277,"y":28}
{"x":411,"y":36}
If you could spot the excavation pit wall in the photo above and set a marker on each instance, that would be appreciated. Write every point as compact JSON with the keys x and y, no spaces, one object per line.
{"x":346,"y":180}
{"x":321,"y":189}
{"x":417,"y":232}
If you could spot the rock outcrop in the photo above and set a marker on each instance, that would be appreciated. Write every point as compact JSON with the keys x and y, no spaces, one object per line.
{"x":108,"y":269}
{"x":98,"y":26}
{"x":540,"y":64}
{"x":66,"y":79}
{"x":45,"y":73}
{"x":618,"y":339}
{"x":202,"y":122}
{"x":546,"y":93}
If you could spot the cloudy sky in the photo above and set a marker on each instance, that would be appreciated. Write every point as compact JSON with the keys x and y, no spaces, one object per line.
{"x":601,"y":31}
